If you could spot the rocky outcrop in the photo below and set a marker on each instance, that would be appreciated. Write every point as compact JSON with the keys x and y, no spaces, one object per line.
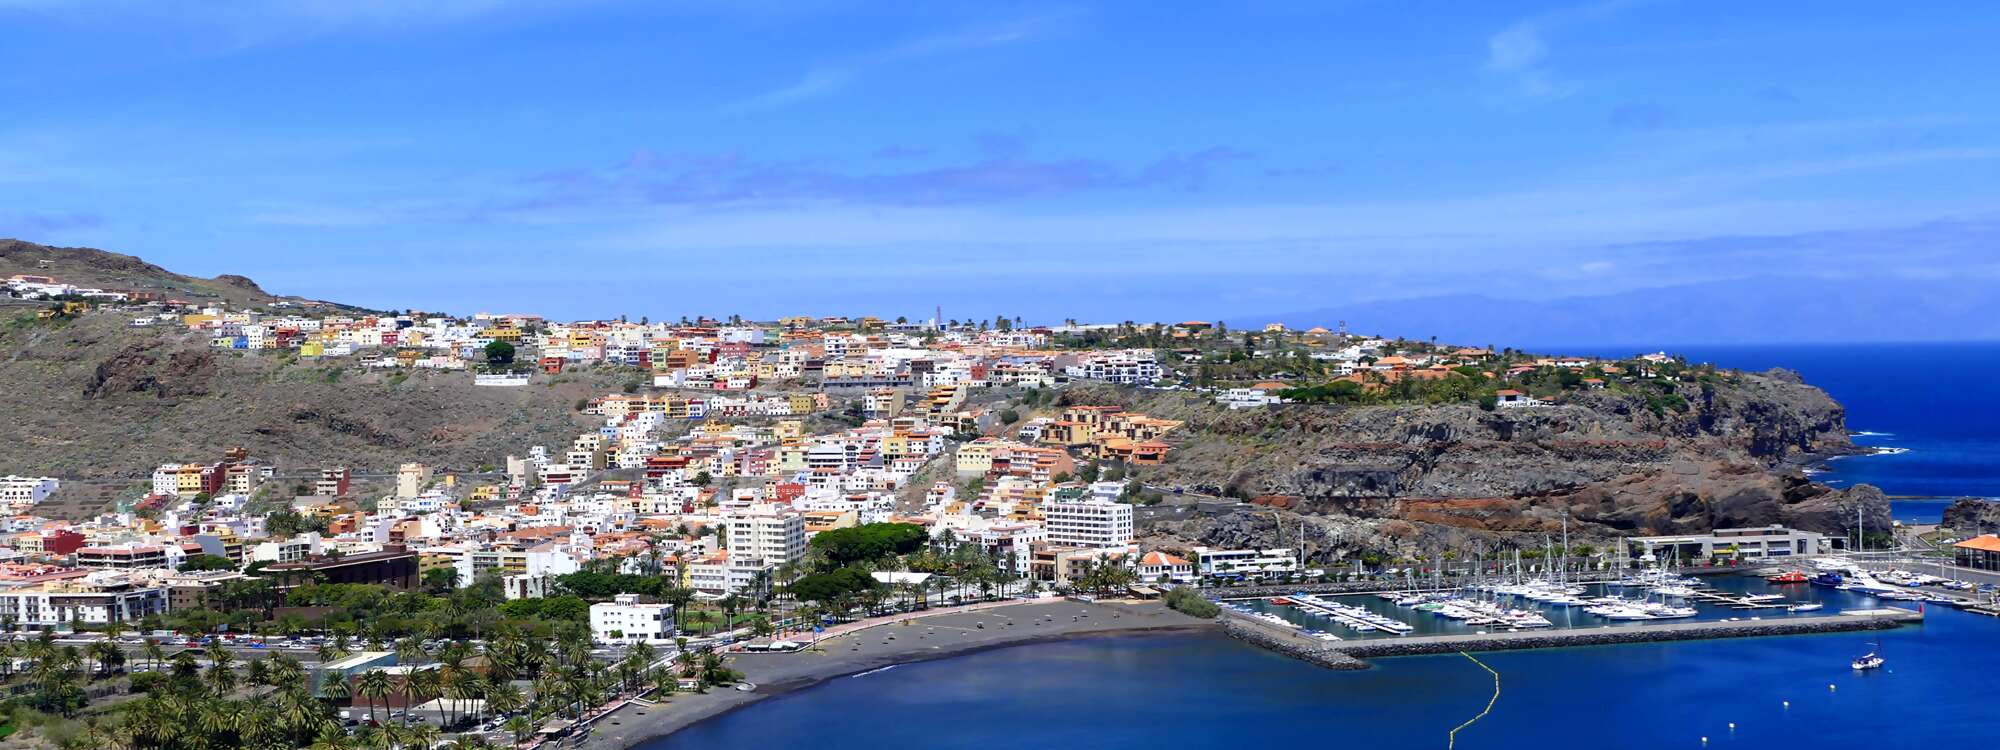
{"x":1971,"y":515}
{"x":139,"y":368}
{"x":240,"y":282}
{"x":1419,"y":479}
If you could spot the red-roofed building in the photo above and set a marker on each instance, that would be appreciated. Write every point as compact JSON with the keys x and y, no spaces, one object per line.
{"x":1981,"y":552}
{"x":1160,"y":567}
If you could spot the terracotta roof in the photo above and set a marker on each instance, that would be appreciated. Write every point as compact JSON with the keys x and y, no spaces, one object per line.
{"x":1984,"y":543}
{"x":1161,"y":558}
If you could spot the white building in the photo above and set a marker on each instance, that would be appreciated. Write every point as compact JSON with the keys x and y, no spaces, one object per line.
{"x":1089,"y":523}
{"x":1247,"y":398}
{"x":287,"y":550}
{"x":102,"y":597}
{"x":17,"y":493}
{"x":768,"y":533}
{"x":1224,"y":562}
{"x":1160,"y":567}
{"x":626,"y":620}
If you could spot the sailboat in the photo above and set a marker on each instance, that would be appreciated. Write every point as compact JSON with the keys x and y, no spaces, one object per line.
{"x":1870,"y":660}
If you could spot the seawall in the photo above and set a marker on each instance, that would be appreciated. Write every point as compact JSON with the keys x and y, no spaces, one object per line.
{"x":1350,"y":654}
{"x":1303,"y":649}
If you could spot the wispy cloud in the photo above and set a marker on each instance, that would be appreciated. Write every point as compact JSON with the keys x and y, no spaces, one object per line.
{"x":831,"y":78}
{"x":1521,"y":55}
{"x":1003,"y":171}
{"x":30,"y":225}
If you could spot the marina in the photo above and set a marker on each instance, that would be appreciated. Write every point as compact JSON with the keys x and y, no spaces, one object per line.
{"x":1652,"y":598}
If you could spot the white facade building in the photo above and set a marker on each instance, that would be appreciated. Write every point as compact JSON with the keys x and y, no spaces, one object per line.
{"x":1089,"y":523}
{"x":626,"y":620}
{"x":17,"y":493}
{"x":767,"y":533}
{"x":1211,"y":562}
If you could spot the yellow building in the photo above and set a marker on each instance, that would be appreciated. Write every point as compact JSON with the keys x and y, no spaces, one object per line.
{"x":789,"y":429}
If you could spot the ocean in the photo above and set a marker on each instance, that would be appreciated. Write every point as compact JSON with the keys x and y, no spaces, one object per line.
{"x":1931,"y":400}
{"x":1933,"y":406}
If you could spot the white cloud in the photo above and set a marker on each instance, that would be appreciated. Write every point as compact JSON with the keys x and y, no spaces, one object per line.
{"x":832,"y":78}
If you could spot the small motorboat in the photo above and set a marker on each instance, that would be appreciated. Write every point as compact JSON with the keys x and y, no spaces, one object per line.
{"x":1870,"y":661}
{"x":1806,"y":607}
{"x":1282,"y":601}
{"x":1789,"y":576}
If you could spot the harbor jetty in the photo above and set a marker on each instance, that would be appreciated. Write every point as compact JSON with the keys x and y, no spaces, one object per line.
{"x":1351,"y":654}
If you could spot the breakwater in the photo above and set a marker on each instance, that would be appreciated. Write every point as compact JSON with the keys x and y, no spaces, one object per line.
{"x":1352,"y":653}
{"x":1604,"y":636}
{"x":1303,"y":649}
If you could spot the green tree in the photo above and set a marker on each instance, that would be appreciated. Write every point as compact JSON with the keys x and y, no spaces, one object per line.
{"x":440,"y":581}
{"x":499,"y":353}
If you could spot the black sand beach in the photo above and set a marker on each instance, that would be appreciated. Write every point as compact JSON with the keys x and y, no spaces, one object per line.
{"x":920,"y":639}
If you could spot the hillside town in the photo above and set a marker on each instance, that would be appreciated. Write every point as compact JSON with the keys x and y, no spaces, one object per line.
{"x":752,"y":484}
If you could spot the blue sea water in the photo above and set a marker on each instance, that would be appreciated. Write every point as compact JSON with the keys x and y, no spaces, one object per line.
{"x":1209,"y":691}
{"x":1935,"y":404}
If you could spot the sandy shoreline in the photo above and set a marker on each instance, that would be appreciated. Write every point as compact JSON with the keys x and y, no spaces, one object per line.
{"x":922,"y":639}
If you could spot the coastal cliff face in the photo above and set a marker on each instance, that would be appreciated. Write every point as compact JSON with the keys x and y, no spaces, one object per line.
{"x":1409,"y":478}
{"x":1971,"y":516}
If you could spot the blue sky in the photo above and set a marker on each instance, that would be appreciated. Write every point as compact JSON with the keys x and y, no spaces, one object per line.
{"x":1097,"y":160}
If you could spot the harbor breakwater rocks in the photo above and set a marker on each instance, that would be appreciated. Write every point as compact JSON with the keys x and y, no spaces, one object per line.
{"x":1303,"y":650}
{"x":1614,"y":635}
{"x":1350,"y":654}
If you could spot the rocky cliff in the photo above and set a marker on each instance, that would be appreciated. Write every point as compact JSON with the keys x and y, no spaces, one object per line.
{"x":1972,"y":515}
{"x":1410,"y":478}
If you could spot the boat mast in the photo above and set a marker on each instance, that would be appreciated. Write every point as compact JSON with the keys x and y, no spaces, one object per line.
{"x":1565,"y":550}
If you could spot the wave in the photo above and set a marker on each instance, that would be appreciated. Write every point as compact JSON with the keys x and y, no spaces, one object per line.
{"x":1890,"y":451}
{"x":1869,"y":433}
{"x":877,"y":669}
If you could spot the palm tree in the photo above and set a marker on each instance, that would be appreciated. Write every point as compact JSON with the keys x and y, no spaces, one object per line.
{"x":297,"y":710}
{"x":421,"y":736}
{"x":520,"y":726}
{"x":186,"y":668}
{"x":332,"y":738}
{"x":422,"y":686}
{"x":664,"y":682}
{"x":221,"y":674}
{"x":374,"y":687}
{"x":107,"y":655}
{"x":258,"y":672}
{"x":336,"y":689}
{"x":503,"y":698}
{"x":286,"y":670}
{"x":410,"y":651}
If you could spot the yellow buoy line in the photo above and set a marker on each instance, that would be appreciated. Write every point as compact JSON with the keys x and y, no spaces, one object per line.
{"x":1451,"y":740}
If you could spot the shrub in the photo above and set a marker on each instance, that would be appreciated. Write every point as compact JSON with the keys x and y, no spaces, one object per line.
{"x":1186,"y":601}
